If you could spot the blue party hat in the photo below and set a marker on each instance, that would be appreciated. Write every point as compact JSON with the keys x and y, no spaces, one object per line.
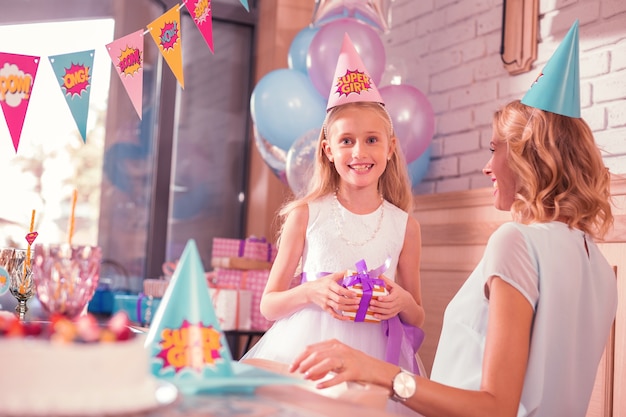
{"x":186,"y":344}
{"x":557,"y":89}
{"x":185,"y":341}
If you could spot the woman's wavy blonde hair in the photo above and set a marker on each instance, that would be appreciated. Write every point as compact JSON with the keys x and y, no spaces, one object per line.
{"x":394,"y":184}
{"x":561,"y":175}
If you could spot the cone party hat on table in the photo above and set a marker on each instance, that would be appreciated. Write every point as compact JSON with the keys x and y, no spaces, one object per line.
{"x":186,"y":344}
{"x":352,"y":81}
{"x":557,"y":88}
{"x":185,"y":341}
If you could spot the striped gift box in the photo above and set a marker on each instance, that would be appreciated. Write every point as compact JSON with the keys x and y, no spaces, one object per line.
{"x":377,"y":291}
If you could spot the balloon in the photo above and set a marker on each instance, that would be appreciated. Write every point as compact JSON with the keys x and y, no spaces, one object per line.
{"x":273,"y":156}
{"x":419,"y":167}
{"x":326,"y":45}
{"x":300,"y":161}
{"x":376,"y":13}
{"x":296,"y":57}
{"x":413,"y":118}
{"x":284,"y":105}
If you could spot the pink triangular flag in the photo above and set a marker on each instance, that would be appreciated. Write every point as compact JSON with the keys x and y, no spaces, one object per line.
{"x":17,"y":73}
{"x":202,"y":15}
{"x":127,"y":57}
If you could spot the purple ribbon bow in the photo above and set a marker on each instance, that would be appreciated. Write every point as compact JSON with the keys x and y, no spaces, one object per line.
{"x":367,"y":279}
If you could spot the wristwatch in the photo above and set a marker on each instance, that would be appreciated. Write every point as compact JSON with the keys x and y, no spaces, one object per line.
{"x":403,"y":386}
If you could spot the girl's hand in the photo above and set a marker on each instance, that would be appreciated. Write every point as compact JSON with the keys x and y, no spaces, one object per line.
{"x":388,"y":306}
{"x":332,"y":297}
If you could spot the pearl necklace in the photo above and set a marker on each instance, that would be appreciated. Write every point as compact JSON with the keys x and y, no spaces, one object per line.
{"x":340,"y":226}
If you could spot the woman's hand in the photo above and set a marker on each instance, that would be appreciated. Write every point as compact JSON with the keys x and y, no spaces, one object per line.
{"x":332,"y":297}
{"x":388,"y":306}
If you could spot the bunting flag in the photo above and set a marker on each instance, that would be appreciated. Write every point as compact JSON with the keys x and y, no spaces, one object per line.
{"x":127,"y":57}
{"x":17,"y":76}
{"x":166,"y":33}
{"x":245,"y":4}
{"x":202,"y":15}
{"x":73,"y":72}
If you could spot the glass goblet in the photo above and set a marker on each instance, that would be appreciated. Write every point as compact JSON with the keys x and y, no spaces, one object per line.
{"x":66,"y":277}
{"x":20,"y":275}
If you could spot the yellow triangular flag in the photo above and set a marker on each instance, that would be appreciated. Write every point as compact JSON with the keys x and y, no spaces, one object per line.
{"x":166,"y":33}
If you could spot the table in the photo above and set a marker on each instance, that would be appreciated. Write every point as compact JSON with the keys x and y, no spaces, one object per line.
{"x":282,"y":401}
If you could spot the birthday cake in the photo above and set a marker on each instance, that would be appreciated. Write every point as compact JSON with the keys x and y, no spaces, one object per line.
{"x":73,"y":368}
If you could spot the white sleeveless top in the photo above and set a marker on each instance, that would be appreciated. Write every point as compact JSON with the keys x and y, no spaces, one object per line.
{"x":326,"y":251}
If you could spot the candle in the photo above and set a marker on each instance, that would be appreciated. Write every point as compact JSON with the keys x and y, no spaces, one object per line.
{"x":71,"y":227}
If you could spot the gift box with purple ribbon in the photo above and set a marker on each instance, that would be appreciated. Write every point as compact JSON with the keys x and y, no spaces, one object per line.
{"x":250,"y":248}
{"x":368,"y":287}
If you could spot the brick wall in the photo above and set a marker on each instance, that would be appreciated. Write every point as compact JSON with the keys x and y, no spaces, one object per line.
{"x":450,"y":50}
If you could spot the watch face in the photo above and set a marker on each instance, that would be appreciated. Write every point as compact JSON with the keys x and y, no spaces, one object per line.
{"x":404,"y":385}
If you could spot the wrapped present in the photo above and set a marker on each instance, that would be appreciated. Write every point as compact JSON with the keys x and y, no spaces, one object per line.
{"x":232,"y":308}
{"x":250,"y":248}
{"x":253,"y":280}
{"x":368,"y":287}
{"x":155,"y":287}
{"x":139,"y":307}
{"x":239,"y":263}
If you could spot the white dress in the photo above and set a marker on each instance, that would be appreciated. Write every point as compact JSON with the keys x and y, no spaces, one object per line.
{"x":325,"y":251}
{"x":574,"y":296}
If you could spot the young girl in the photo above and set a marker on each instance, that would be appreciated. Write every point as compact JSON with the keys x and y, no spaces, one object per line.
{"x":357,"y":208}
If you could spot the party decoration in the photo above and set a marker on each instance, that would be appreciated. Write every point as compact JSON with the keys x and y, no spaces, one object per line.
{"x":72,"y":221}
{"x":166,"y":33}
{"x":412,"y":116}
{"x":419,"y":168}
{"x":245,"y":4}
{"x":352,"y":81}
{"x":557,"y":88}
{"x":376,"y":13}
{"x":299,"y":49}
{"x":202,"y":15}
{"x":186,"y":343}
{"x":301,"y":160}
{"x":273,"y":156}
{"x":127,"y":56}
{"x":325,"y":48}
{"x":284,"y":105}
{"x":17,"y":77}
{"x":73,"y":72}
{"x":30,"y":238}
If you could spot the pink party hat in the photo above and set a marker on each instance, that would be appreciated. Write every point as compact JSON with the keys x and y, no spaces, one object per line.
{"x":185,"y":341}
{"x":557,"y":88}
{"x":352,"y":81}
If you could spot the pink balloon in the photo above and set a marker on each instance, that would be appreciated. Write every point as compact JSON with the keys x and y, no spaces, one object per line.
{"x":326,"y":45}
{"x":413,"y":118}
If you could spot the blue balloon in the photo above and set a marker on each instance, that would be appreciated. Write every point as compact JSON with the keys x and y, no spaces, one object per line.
{"x":284,"y":105}
{"x":419,"y":167}
{"x":296,"y":57}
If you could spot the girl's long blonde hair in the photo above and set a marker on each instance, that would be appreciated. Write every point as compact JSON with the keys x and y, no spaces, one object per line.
{"x":560,"y":171}
{"x":394,"y":184}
